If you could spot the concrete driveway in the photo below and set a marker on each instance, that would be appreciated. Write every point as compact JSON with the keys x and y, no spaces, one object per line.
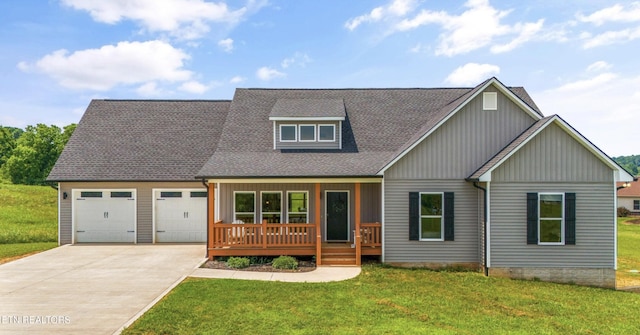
{"x":89,"y":289}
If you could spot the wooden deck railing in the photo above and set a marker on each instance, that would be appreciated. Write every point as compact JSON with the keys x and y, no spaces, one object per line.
{"x":250,"y":235}
{"x":371,"y":234}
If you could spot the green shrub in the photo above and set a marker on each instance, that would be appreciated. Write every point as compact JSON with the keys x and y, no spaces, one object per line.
{"x":260,"y":260}
{"x":285,"y":262}
{"x":238,"y":262}
{"x":623,"y":212}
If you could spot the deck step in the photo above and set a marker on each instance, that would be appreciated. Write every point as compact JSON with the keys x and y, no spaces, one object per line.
{"x":338,"y":256}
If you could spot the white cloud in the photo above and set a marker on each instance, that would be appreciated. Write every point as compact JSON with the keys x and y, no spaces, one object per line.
{"x":610,"y":37}
{"x":266,"y":73}
{"x":586,"y":84}
{"x":603,"y":109}
{"x":193,"y":87}
{"x":149,"y":89}
{"x":237,"y":80}
{"x":188,"y":19}
{"x":615,"y":13}
{"x":598,"y":66}
{"x":478,"y":26}
{"x":226,"y":44}
{"x":472,"y":74}
{"x":125,"y":63}
{"x":397,"y":8}
{"x":300,"y":59}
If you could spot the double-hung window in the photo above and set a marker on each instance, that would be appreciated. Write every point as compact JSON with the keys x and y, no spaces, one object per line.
{"x":244,"y":207}
{"x":272,"y":206}
{"x":551,"y":218}
{"x":297,"y":206}
{"x":431,"y":218}
{"x":636,"y":205}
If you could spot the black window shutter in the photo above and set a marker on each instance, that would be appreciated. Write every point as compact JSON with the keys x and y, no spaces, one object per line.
{"x":414,"y":216}
{"x":532,"y":218}
{"x":569,"y":218}
{"x":448,"y":216}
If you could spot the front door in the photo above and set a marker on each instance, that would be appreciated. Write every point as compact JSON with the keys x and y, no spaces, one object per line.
{"x":337,"y":215}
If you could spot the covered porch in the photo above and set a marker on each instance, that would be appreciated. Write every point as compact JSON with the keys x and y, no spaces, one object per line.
{"x":315,"y":221}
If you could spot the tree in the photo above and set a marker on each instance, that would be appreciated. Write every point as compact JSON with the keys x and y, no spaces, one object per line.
{"x":7,"y":144}
{"x":36,"y":152}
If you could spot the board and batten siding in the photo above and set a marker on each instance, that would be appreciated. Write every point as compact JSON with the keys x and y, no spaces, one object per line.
{"x":553,"y":156}
{"x":397,"y":246}
{"x":309,"y":145}
{"x":595,"y":238}
{"x":462,"y":144}
{"x":144,"y":204}
{"x":370,"y":199}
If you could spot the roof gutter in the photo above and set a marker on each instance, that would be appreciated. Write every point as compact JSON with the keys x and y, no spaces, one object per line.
{"x":486,"y":247}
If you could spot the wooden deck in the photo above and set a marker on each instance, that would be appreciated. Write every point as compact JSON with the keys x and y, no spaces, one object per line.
{"x":293,"y":239}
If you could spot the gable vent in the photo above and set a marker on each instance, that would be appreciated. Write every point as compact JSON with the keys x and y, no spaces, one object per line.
{"x":490,"y":101}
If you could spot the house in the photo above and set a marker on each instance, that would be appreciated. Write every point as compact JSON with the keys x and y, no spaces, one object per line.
{"x":474,"y":177}
{"x":629,"y":196}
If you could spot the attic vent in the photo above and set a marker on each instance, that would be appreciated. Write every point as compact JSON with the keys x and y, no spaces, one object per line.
{"x":490,"y":101}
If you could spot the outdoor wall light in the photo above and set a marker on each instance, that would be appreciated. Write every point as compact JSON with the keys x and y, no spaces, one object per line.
{"x":625,"y":185}
{"x":64,"y":195}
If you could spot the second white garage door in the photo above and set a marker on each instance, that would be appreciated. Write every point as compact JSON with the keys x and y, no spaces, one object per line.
{"x":180,"y":215}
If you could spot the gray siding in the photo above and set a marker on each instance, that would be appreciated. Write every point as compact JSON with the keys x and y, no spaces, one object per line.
{"x":144,"y":203}
{"x":309,"y":145}
{"x":398,"y":248}
{"x":595,"y":240}
{"x":552,"y":155}
{"x":370,"y":200}
{"x":466,"y":141}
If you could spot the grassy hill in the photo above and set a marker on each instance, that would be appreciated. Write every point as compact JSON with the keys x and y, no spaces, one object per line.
{"x":28,"y":220}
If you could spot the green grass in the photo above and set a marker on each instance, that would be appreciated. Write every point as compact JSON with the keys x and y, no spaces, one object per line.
{"x":28,"y":220}
{"x":628,"y":251}
{"x":391,"y":301}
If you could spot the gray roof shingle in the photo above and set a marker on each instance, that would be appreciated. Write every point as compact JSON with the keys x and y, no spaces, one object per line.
{"x":141,"y":140}
{"x":308,"y":108}
{"x":379,"y":123}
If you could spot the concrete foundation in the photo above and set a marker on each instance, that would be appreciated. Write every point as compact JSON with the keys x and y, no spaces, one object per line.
{"x":599,"y":277}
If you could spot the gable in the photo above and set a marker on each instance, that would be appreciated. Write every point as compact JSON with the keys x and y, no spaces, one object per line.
{"x":465,"y":141}
{"x":553,"y":156}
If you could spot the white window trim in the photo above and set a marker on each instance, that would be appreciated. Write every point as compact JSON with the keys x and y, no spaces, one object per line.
{"x":300,"y":132}
{"x":295,"y":127}
{"x":562,"y":219}
{"x":254,"y":205}
{"x":490,"y":101}
{"x":432,"y":216}
{"x":270,"y":213}
{"x":305,"y":213}
{"x":334,"y":132}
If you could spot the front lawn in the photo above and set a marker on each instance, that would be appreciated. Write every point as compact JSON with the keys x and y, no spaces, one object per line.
{"x":628,"y":252}
{"x":28,"y":220}
{"x":391,"y":301}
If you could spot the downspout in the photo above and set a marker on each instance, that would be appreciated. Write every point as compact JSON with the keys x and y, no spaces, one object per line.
{"x":206,"y":253}
{"x":484,"y":191}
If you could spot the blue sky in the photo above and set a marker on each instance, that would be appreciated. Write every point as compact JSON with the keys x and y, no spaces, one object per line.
{"x":578,"y":59}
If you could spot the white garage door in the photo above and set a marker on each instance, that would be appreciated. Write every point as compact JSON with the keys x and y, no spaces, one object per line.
{"x":104,"y":215}
{"x":180,"y":215}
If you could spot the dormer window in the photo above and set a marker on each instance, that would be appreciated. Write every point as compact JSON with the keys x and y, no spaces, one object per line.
{"x":288,"y":133}
{"x":307,"y":123}
{"x":307,"y":132}
{"x":326,"y":133}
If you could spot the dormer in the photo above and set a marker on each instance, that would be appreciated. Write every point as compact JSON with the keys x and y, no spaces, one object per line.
{"x":307,"y":123}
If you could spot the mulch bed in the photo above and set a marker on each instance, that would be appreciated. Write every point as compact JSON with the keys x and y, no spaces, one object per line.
{"x":303,"y":266}
{"x":632,"y":221}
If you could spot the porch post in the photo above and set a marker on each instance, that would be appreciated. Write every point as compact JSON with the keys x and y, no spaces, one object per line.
{"x":358,"y":240}
{"x":211,"y":211}
{"x":318,"y":233}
